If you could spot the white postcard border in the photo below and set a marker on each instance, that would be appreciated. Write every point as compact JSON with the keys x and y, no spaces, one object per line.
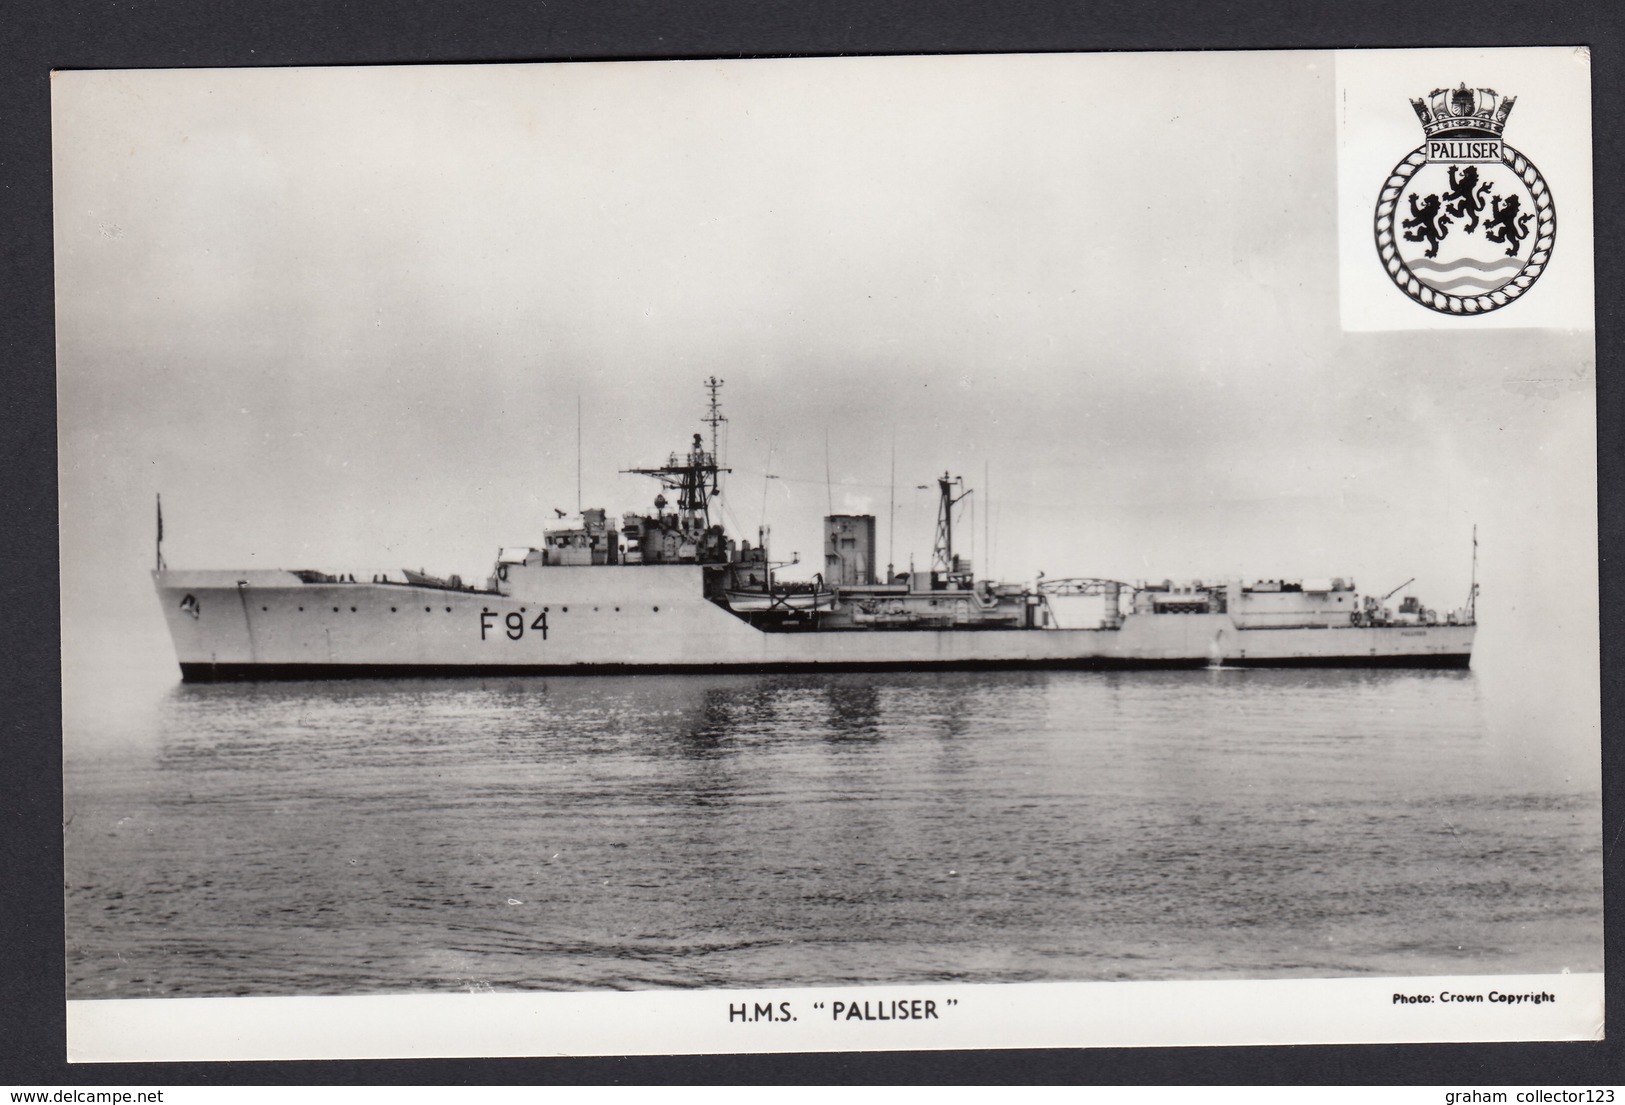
{"x":1459,"y":1009}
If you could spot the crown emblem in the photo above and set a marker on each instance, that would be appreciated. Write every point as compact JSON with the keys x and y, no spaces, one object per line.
{"x":1464,"y":112}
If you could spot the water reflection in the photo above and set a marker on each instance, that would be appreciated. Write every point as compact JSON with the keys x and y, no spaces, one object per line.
{"x":854,"y":710}
{"x":578,"y":832}
{"x":520,"y":722}
{"x":707,"y":727}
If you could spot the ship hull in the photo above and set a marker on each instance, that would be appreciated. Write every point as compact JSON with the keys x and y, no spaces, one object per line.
{"x":226,"y":673}
{"x":650,"y":619}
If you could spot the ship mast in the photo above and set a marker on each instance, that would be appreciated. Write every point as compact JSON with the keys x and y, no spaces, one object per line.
{"x":891,"y":522}
{"x":1472,"y":591}
{"x":943,"y":559}
{"x":695,"y":477}
{"x":714,"y":418}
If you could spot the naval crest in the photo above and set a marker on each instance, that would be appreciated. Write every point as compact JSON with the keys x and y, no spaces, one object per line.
{"x":1465,"y":223}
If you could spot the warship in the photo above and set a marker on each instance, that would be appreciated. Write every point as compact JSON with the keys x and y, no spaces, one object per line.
{"x":671,"y":591}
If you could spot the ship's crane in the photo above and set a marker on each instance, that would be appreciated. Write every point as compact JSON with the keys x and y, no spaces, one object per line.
{"x":1397,"y":590}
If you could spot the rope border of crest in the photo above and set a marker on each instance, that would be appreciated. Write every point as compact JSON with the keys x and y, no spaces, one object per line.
{"x":1400,"y":273}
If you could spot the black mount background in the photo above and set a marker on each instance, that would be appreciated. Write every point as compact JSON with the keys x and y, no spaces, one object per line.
{"x":40,"y":36}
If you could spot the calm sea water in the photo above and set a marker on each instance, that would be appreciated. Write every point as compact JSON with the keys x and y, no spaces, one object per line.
{"x":731,"y":831}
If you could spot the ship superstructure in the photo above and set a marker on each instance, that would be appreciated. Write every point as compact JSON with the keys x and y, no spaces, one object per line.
{"x":672,"y":591}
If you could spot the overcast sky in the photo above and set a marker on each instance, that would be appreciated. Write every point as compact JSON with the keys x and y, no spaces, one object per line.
{"x":343,"y":318}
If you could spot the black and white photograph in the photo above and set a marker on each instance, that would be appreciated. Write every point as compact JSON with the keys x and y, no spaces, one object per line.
{"x":807,"y":554}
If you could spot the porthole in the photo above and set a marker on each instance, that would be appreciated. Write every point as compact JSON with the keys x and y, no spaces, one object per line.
{"x":617,"y":610}
{"x":564,"y":610}
{"x":301,"y":609}
{"x":352,"y":610}
{"x":335,"y":610}
{"x":448,"y":610}
{"x":265,"y":608}
{"x":657,"y":610}
{"x":392,"y":610}
{"x":426,"y":610}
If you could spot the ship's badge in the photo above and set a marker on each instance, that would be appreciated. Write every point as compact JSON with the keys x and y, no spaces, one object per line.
{"x":189,"y":605}
{"x":1475,"y":219}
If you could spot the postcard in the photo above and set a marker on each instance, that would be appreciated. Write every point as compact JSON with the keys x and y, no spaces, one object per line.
{"x":1065,"y":550}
